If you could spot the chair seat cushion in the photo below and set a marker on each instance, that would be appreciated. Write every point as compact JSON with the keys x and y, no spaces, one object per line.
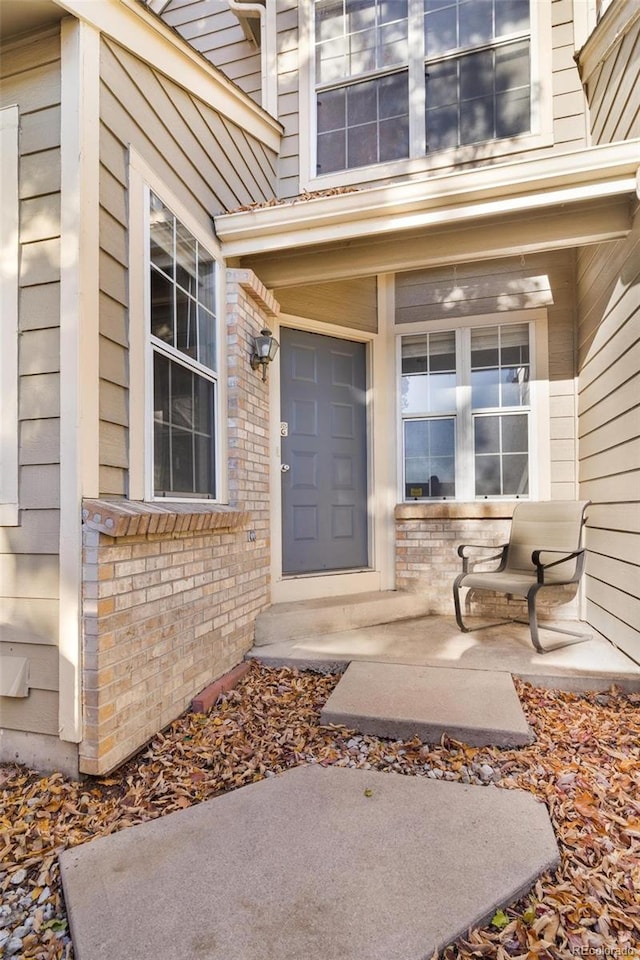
{"x":508,"y":582}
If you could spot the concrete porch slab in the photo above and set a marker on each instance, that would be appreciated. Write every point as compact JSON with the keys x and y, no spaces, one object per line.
{"x":325,"y":864}
{"x":303,"y":618}
{"x":436,"y":642}
{"x":401,"y":701}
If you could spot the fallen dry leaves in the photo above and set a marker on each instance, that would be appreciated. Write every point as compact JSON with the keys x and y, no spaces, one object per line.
{"x":299,"y":198}
{"x":584,"y":765}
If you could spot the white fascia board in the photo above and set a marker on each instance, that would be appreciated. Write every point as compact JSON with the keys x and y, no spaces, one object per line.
{"x":157,"y":5}
{"x":146,"y":36}
{"x":614,"y":25}
{"x":592,"y":173}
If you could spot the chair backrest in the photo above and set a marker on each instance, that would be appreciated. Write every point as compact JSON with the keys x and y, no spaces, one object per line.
{"x":546,"y":525}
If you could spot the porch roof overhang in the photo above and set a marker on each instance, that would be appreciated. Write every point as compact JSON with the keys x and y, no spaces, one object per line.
{"x":524,"y":206}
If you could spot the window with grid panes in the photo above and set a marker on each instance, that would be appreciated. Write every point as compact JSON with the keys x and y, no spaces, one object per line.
{"x":183,"y":340}
{"x":465,"y":407}
{"x":469,"y":58}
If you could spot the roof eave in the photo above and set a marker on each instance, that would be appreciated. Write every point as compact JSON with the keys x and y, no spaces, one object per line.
{"x":595,"y":172}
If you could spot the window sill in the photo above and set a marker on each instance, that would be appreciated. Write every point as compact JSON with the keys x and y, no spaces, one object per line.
{"x":130,"y":518}
{"x":451,"y":510}
{"x":438,"y":163}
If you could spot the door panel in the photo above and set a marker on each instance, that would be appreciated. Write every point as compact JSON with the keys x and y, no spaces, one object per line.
{"x":324,"y":492}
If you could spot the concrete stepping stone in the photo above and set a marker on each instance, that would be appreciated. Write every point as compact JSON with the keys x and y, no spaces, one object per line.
{"x":320,"y":864}
{"x":401,"y":701}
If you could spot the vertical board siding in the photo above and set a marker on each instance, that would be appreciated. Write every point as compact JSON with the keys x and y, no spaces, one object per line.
{"x":29,"y":584}
{"x":609,"y":434}
{"x":475,"y":289}
{"x":208,"y":162}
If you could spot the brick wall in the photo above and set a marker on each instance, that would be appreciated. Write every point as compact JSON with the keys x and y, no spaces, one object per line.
{"x":427,"y":562}
{"x":171,"y":590}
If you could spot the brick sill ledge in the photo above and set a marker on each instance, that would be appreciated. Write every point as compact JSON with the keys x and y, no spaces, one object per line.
{"x":129,"y":518}
{"x":454,"y":510}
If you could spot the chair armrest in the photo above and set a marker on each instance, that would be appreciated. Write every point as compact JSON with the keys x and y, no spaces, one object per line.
{"x":467,"y":560}
{"x":573,"y":555}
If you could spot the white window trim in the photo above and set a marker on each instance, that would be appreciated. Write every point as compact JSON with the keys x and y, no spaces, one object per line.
{"x":9,"y":215}
{"x":539,"y":428}
{"x":143,"y":180}
{"x":541,"y":134}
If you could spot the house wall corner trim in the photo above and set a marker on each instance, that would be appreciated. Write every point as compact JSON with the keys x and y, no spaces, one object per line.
{"x":79,"y":311}
{"x":9,"y":132}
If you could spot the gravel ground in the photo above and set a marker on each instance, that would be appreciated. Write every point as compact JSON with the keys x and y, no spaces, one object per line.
{"x":585,"y":765}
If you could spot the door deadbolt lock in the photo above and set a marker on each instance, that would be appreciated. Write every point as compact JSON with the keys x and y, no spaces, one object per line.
{"x":284,"y":467}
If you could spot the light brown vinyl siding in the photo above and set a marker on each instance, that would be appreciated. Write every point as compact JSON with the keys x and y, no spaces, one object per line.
{"x":348,"y":303}
{"x":292,"y":113}
{"x":213,"y":30}
{"x":210,"y":164}
{"x":569,"y":116}
{"x":29,"y":570}
{"x":609,"y":434}
{"x":476,"y":289}
{"x":613,"y":90}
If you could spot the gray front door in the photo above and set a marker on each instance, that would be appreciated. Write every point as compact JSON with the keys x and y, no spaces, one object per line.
{"x":324,"y":489}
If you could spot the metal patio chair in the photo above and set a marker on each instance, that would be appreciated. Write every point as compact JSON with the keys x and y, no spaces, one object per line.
{"x":544,"y":550}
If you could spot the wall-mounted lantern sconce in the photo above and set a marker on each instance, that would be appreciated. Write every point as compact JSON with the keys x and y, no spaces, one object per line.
{"x":265,"y":348}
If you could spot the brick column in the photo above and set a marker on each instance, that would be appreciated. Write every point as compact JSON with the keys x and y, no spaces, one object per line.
{"x":171,"y":590}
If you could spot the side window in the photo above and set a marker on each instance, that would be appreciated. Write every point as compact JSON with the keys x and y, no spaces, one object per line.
{"x":466,"y":411}
{"x":500,"y":401}
{"x":9,"y":216}
{"x":466,"y":62}
{"x":428,"y":400}
{"x":183,"y":337}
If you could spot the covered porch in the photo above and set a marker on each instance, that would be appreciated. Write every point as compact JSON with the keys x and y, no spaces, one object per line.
{"x":422,"y":283}
{"x":328,"y":633}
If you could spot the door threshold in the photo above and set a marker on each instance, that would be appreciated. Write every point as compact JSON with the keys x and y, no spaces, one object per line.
{"x":288,"y":577}
{"x":329,"y":583}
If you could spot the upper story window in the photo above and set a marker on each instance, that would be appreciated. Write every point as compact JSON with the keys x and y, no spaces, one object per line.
{"x":466,"y":410}
{"x":396,"y":79}
{"x":182,"y":327}
{"x":362,"y":49}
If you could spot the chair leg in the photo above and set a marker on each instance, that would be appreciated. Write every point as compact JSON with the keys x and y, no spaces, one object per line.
{"x":457,"y":606}
{"x":534,"y":630}
{"x":533,"y":619}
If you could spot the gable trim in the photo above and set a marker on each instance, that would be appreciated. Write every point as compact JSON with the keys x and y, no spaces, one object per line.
{"x":148,"y":38}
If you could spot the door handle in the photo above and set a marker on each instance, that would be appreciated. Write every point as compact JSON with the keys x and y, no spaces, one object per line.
{"x":284,"y":467}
